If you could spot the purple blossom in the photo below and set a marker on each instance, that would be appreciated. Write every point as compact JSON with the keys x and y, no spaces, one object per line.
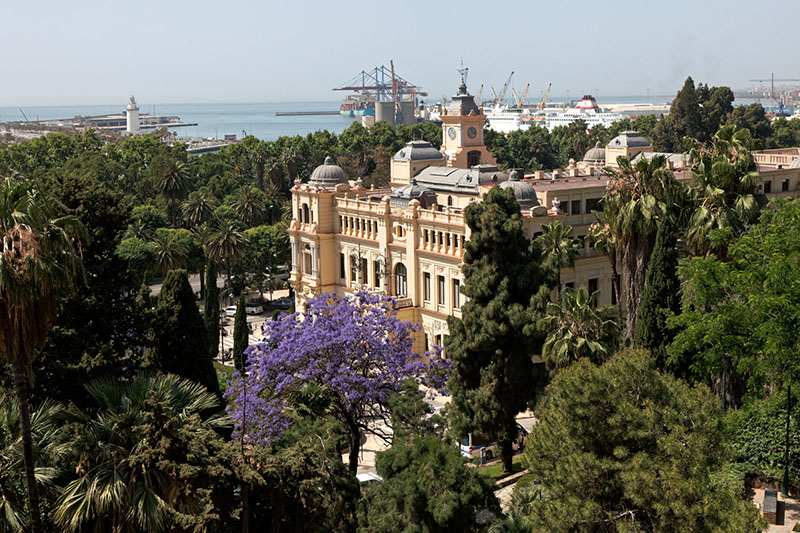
{"x":355,"y":347}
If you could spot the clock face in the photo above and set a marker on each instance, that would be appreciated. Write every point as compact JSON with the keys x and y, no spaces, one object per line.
{"x":472,"y":132}
{"x":451,"y":132}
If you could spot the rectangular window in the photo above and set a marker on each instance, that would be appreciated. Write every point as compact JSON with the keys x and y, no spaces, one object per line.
{"x":441,"y":238}
{"x":427,"y":237}
{"x":342,"y":273}
{"x":364,"y":270}
{"x":576,"y":207}
{"x":353,"y":273}
{"x":592,"y":285}
{"x":341,"y":222}
{"x":592,"y":204}
{"x":570,"y":285}
{"x":440,"y":295}
{"x":785,"y":185}
{"x":447,"y":239}
{"x":455,"y":241}
{"x":426,"y":285}
{"x":456,"y":294}
{"x":376,"y":274}
{"x":767,"y":187}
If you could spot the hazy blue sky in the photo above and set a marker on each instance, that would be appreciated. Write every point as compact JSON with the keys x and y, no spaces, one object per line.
{"x":97,"y":52}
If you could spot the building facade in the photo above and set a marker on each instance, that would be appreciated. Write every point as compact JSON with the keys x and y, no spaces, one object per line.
{"x":408,"y":240}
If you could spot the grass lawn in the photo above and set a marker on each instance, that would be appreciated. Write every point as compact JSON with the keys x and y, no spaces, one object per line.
{"x":494,"y":471}
{"x":224,"y":373}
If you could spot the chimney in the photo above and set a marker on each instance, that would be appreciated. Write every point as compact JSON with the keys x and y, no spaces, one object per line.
{"x":539,"y":174}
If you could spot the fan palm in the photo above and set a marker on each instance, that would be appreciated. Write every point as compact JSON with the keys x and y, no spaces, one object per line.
{"x":227,"y":245}
{"x":636,"y":198}
{"x":46,"y":436}
{"x":114,"y":491}
{"x":604,"y":243}
{"x":173,"y":184}
{"x":558,"y":248}
{"x":258,"y":156}
{"x":198,"y":208}
{"x":578,"y":329}
{"x":39,"y":262}
{"x":251,"y":205}
{"x":275,"y":200}
{"x":724,"y":179}
{"x":169,"y":252}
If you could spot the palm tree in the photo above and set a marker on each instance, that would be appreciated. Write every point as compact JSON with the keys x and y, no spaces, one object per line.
{"x":258,"y":156}
{"x":251,"y":205}
{"x":173,"y":184}
{"x":227,"y":245}
{"x":636,"y":198}
{"x":46,"y":436}
{"x":558,"y":248}
{"x":578,"y":329}
{"x":114,"y":491}
{"x":604,"y":243}
{"x":170,"y":253}
{"x":274,"y":202}
{"x":198,"y":208}
{"x":38,"y":264}
{"x":724,"y":179}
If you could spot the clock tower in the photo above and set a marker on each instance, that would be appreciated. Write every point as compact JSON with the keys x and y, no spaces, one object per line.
{"x":462,"y":132}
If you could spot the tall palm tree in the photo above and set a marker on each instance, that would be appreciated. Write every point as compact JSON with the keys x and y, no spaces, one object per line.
{"x":636,"y":198}
{"x":251,"y":205}
{"x":559,"y":249}
{"x":169,"y":252}
{"x":198,"y":208}
{"x":114,"y":491}
{"x":725,"y":178}
{"x":39,"y":263}
{"x":259,"y":156}
{"x":46,"y":431}
{"x":578,"y":329}
{"x":173,"y":184}
{"x":227,"y":244}
{"x":275,"y":200}
{"x":603,"y":242}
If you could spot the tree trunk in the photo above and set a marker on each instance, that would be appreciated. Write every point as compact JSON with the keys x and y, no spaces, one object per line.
{"x":245,"y":509}
{"x":507,"y":444}
{"x":636,"y":255}
{"x":22,"y":389}
{"x":612,"y":257}
{"x":260,"y":176}
{"x":230,"y":284}
{"x":354,"y":440}
{"x":202,"y":283}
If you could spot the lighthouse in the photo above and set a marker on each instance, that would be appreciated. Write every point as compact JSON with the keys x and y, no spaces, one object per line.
{"x":133,"y":116}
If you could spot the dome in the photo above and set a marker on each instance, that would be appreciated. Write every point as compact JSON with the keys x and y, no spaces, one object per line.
{"x":596,"y":154}
{"x":402,"y":197}
{"x":795,"y":163}
{"x":327,"y":175}
{"x":629,"y":139}
{"x":523,"y":190}
{"x":418,"y":151}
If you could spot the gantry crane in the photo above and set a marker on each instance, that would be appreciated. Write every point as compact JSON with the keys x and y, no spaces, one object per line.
{"x":772,"y":81}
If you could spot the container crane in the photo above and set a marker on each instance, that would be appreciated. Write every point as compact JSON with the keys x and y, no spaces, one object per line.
{"x":772,"y":81}
{"x":544,"y":98}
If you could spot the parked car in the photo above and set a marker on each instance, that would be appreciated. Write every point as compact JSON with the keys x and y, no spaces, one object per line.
{"x":230,"y":311}
{"x":472,"y":446}
{"x":282,"y":303}
{"x":253,"y":308}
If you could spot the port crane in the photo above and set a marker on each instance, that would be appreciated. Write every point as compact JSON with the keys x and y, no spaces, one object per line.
{"x":505,"y":88}
{"x":521,"y":99}
{"x":772,"y":81}
{"x":544,"y":98}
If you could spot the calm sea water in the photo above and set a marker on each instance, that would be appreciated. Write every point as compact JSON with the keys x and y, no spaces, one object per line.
{"x":216,"y":120}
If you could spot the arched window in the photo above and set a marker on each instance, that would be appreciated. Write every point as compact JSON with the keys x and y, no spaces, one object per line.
{"x":400,"y":280}
{"x":449,"y":200}
{"x":473,"y":158}
{"x":305,"y":217}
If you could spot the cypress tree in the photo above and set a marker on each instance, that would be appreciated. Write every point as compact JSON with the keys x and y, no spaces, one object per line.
{"x":660,"y":295}
{"x":493,"y":342}
{"x":211,"y":306}
{"x":240,"y":337}
{"x":181,"y":342}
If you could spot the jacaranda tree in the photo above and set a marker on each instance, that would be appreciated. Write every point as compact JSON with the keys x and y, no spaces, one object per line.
{"x":355,"y":349}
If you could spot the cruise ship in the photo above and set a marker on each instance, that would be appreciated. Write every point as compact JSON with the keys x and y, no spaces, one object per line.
{"x":505,"y":119}
{"x":586,"y":110}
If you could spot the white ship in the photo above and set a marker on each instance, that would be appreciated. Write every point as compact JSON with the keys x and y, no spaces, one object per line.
{"x":586,"y":110}
{"x":505,"y":119}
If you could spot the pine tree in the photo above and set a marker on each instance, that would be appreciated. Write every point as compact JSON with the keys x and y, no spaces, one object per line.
{"x":211,"y":306}
{"x":181,"y":340}
{"x":240,"y":333}
{"x":492,"y":345}
{"x":660,"y":296}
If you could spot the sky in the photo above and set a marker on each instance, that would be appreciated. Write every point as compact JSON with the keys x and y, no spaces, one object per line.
{"x":81,"y":52}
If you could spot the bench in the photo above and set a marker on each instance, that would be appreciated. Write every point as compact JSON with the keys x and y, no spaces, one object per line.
{"x":770,"y":505}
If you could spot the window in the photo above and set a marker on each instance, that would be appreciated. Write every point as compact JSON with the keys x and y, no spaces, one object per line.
{"x":364,"y":270}
{"x":441,"y":238}
{"x":592,"y":286}
{"x":341,"y":221}
{"x":785,"y":185}
{"x":576,"y":207}
{"x":426,"y":286}
{"x":447,"y":239}
{"x":306,"y":263}
{"x":449,"y":200}
{"x":440,"y":295}
{"x":342,"y":273}
{"x":304,"y":217}
{"x":456,"y":294}
{"x":767,"y":187}
{"x":376,"y":274}
{"x":592,"y":204}
{"x":455,"y":241}
{"x":353,"y":270}
{"x":427,"y":236}
{"x":570,"y":285}
{"x":400,"y":280}
{"x":473,"y":158}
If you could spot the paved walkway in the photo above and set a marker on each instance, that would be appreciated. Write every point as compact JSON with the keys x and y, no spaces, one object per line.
{"x":788,"y":511}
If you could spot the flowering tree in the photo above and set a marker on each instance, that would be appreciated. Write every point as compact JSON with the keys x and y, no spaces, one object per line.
{"x":355,"y":349}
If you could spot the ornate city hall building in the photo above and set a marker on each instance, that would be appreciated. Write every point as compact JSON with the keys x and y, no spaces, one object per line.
{"x":408,"y":240}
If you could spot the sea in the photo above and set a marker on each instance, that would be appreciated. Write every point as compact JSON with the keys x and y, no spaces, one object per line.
{"x":258,"y":119}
